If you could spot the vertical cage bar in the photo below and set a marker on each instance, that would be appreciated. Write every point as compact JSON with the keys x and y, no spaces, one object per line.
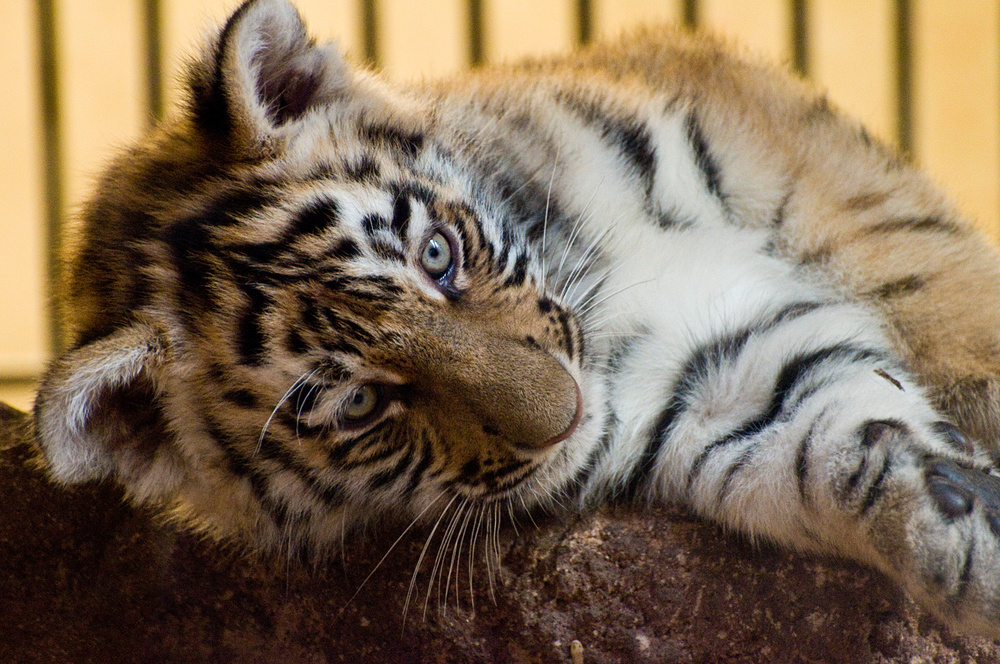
{"x":904,"y":76}
{"x":800,"y":36}
{"x":476,"y":49}
{"x":369,"y":31}
{"x":690,"y":14}
{"x":151,"y":19}
{"x":584,"y":21}
{"x":52,"y":177}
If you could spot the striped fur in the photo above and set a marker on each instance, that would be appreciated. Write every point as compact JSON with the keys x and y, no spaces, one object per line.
{"x":648,"y":271}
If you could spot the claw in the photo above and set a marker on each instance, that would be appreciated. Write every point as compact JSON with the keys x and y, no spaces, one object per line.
{"x":993,"y":519}
{"x":954,"y":437}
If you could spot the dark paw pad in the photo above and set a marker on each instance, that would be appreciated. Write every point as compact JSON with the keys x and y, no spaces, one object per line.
{"x":956,"y":489}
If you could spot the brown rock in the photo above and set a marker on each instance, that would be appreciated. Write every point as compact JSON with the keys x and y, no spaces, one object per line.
{"x":86,"y":578}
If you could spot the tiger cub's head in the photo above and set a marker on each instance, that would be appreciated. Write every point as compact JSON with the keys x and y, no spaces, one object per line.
{"x":292,"y":309}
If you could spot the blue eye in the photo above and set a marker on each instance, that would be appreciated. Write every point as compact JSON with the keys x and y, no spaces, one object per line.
{"x":436,"y":257}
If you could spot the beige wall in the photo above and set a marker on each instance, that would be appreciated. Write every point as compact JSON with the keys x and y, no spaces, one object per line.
{"x":101,"y":56}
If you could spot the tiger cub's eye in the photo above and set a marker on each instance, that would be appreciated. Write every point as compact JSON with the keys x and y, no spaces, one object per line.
{"x":362,"y":403}
{"x":436,"y":258}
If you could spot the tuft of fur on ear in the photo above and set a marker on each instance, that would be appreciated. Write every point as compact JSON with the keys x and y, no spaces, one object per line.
{"x":97,"y":413}
{"x":264,"y":72}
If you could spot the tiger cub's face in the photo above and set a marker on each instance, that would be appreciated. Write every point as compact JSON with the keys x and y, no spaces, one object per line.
{"x":294,"y":311}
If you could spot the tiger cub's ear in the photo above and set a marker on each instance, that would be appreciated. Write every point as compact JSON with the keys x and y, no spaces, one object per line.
{"x":263,"y":72}
{"x":98,"y":414}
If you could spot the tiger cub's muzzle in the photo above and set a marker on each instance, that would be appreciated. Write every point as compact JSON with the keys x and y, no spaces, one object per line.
{"x":486,"y":383}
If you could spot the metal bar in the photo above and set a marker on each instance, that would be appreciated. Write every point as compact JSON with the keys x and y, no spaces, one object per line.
{"x":690,"y":14}
{"x":369,"y":31}
{"x":800,"y":36}
{"x":584,"y":22}
{"x":904,"y":76}
{"x":476,"y":47}
{"x":154,"y":59}
{"x":52,"y":163}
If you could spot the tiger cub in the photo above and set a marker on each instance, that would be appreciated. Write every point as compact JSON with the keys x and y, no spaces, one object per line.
{"x":648,"y":271}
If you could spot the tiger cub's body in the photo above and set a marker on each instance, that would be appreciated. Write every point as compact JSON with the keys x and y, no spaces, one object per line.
{"x":648,"y":271}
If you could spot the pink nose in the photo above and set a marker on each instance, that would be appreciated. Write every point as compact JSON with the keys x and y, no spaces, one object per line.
{"x":572,"y":425}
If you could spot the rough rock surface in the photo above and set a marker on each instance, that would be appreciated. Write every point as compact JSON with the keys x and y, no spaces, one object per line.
{"x":86,"y":578}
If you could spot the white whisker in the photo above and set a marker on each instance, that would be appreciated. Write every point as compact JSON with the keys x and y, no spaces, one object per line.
{"x":412,"y":523}
{"x":581,"y":218}
{"x":604,"y":299}
{"x":436,"y":570}
{"x":545,"y":220}
{"x":456,"y":553}
{"x":298,"y":382}
{"x":423,"y":552}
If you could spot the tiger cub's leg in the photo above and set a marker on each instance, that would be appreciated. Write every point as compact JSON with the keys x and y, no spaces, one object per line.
{"x":835,"y":448}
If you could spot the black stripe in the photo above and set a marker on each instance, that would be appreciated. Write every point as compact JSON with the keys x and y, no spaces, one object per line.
{"x":295,"y":344}
{"x":519,"y":274}
{"x":251,"y":338}
{"x":296,"y":425}
{"x":802,"y":460}
{"x":373,"y":448}
{"x":629,"y":134}
{"x":234,"y":206}
{"x":345,"y":250}
{"x":899,"y":287}
{"x":643,"y":470}
{"x":315,"y":219}
{"x":789,"y":377}
{"x":417,"y":474}
{"x":384,"y":477}
{"x":698,"y":367}
{"x":302,"y":400}
{"x":734,"y":468}
{"x":703,"y":156}
{"x":866,"y":201}
{"x":363,"y":170}
{"x":966,"y":574}
{"x":330,"y":495}
{"x":386,"y":251}
{"x":471,"y":474}
{"x":188,"y":243}
{"x":633,"y":139}
{"x":375,"y":291}
{"x":855,"y":477}
{"x":916,"y":225}
{"x":241,"y":398}
{"x":373,"y":223}
{"x":494,"y":479}
{"x":401,"y":215}
{"x":346,"y":327}
{"x":877,"y":488}
{"x":778,"y":219}
{"x":395,"y":138}
{"x":240,"y":465}
{"x":670,"y":221}
{"x":567,"y":333}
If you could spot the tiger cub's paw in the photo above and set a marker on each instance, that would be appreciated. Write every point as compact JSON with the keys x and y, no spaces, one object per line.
{"x":953,"y":538}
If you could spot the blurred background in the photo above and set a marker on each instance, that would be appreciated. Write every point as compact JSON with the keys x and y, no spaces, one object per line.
{"x":84,"y":76}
